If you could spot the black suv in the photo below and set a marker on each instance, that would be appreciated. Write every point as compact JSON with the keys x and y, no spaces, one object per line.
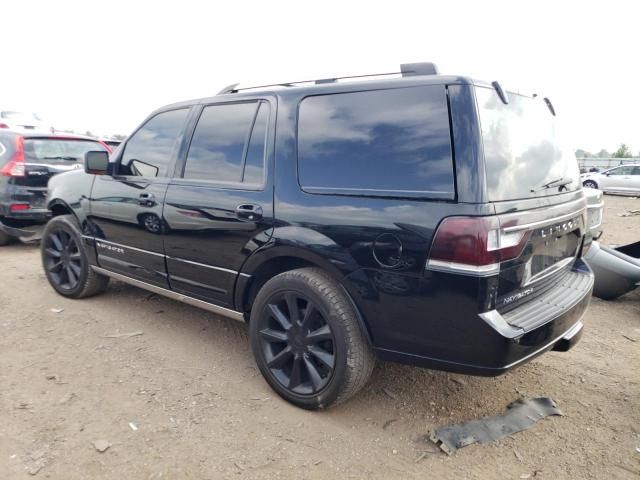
{"x":27,"y":161}
{"x":426,"y":219}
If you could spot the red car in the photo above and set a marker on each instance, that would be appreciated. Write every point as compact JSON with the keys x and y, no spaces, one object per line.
{"x":27,"y":161}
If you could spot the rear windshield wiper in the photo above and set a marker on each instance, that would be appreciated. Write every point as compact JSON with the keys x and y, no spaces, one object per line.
{"x":558,"y":182}
{"x":70,"y":159}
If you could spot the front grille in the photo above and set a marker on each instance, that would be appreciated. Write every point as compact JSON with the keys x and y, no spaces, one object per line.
{"x":567,"y":291}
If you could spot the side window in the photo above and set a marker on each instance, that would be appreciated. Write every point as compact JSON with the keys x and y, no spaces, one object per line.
{"x":254,"y":165}
{"x":149,"y":151}
{"x":626,"y":170}
{"x":377,"y":142}
{"x":219,"y":151}
{"x":636,"y":171}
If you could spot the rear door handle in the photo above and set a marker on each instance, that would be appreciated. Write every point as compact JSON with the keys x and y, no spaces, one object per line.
{"x":147,"y":199}
{"x":249,"y":212}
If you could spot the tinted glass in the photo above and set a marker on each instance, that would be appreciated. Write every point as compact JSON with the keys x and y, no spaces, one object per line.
{"x":218,"y":142}
{"x":636,"y":171}
{"x":626,"y":170}
{"x":254,"y":165}
{"x":149,"y":151}
{"x":59,"y":151}
{"x":522,"y":148}
{"x":377,"y":142}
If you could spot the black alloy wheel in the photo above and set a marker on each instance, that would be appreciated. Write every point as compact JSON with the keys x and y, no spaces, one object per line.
{"x":308,"y":340}
{"x":62,"y":259}
{"x":65,"y":260}
{"x":298,"y":344}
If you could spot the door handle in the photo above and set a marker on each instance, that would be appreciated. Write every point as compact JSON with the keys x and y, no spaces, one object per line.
{"x":249,"y":212}
{"x":147,"y":199}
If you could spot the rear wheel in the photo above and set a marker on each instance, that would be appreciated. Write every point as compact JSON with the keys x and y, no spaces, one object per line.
{"x":307,"y":341}
{"x":65,"y":261}
{"x":589,"y":184}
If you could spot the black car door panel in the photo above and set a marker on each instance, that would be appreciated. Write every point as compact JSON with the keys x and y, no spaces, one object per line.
{"x":217,"y":213}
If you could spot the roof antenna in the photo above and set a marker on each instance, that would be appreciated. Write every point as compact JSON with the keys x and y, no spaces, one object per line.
{"x":550,"y":106}
{"x":501,"y":93}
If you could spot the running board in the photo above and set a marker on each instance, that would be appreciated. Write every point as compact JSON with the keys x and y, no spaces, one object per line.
{"x":225,"y":312}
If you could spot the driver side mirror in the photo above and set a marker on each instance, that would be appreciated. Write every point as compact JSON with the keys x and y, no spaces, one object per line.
{"x":96,"y":162}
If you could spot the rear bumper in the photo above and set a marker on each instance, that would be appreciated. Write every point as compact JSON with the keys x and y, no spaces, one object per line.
{"x":502,"y":346}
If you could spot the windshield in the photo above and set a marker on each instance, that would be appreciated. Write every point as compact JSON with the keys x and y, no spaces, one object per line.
{"x":53,"y":151}
{"x":523,"y":153}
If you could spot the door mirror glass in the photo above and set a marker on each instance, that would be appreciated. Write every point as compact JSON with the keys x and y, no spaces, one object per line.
{"x":96,"y":162}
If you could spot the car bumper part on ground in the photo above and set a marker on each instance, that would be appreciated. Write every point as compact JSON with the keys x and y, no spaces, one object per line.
{"x":33,"y":232}
{"x":617,"y":270}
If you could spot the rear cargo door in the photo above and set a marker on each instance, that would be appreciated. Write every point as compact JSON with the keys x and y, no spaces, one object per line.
{"x":533,"y":182}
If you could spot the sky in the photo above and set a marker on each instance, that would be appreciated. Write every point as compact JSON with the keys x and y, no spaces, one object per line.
{"x":104,"y":66}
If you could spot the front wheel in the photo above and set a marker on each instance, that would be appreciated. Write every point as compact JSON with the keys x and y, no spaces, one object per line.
{"x":65,"y":261}
{"x":307,"y":340}
{"x":589,"y":184}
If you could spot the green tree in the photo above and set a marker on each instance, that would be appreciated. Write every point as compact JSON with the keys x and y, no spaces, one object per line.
{"x":622,"y":152}
{"x":603,"y":154}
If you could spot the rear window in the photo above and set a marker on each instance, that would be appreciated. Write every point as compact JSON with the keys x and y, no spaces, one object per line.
{"x":53,"y":151}
{"x":382,"y":142}
{"x":523,"y":150}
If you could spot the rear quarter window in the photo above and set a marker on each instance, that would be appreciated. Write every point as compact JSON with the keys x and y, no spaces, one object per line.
{"x":392,"y":142}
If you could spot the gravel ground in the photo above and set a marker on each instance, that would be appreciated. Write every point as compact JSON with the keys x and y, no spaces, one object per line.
{"x":183,"y":399}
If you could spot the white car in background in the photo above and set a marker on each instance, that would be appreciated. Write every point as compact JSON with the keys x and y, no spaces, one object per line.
{"x":621,"y":179}
{"x":22,"y":121}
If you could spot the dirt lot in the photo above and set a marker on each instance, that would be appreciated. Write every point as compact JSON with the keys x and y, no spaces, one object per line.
{"x":184,"y":399}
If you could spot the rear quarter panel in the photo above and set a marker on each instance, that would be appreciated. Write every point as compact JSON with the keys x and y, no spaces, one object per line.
{"x":72,"y":190}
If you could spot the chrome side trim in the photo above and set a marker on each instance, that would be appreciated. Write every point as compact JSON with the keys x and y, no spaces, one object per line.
{"x":100,"y":240}
{"x":500,"y":325}
{"x":225,"y":312}
{"x":198,"y":264}
{"x":462,"y":268}
{"x":234,"y":272}
{"x":541,"y":223}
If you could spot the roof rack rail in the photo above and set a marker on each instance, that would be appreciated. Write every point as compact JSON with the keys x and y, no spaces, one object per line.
{"x":406,"y":70}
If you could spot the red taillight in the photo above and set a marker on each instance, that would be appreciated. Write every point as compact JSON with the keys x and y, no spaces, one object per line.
{"x":474,"y":245}
{"x":19,"y":207}
{"x":15,"y":167}
{"x":4,"y":125}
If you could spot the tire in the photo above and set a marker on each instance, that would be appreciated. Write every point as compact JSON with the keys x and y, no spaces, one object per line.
{"x":323,"y":358}
{"x":5,"y":239}
{"x":589,"y":184}
{"x":65,"y":261}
